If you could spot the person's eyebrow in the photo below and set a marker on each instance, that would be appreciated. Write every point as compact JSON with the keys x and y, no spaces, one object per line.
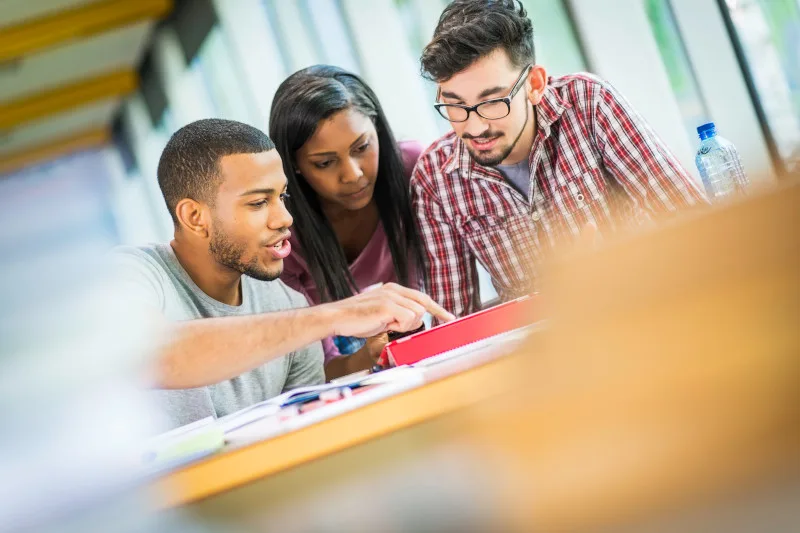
{"x":266,"y":192}
{"x":452,"y":96}
{"x":493,"y":91}
{"x":483,"y":94}
{"x":358,"y":140}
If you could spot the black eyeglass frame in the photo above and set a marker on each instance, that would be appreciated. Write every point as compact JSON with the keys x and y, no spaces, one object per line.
{"x":442,"y":108}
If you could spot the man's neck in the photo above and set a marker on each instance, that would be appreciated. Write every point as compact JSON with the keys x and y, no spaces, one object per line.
{"x":336,"y":213}
{"x":217,"y":281}
{"x":522,"y":150}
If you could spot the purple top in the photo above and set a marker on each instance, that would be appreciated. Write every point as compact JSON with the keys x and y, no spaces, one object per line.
{"x":373,"y":265}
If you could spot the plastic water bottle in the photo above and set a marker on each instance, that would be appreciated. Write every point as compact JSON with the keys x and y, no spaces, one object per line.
{"x":719,"y":164}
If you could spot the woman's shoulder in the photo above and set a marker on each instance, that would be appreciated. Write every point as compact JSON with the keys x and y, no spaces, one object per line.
{"x":410,"y":151}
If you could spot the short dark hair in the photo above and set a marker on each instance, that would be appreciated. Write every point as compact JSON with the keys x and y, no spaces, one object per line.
{"x":471,"y":29}
{"x":189,"y":164}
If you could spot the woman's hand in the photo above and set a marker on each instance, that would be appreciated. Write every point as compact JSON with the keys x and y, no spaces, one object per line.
{"x":374,"y":347}
{"x":364,"y":359}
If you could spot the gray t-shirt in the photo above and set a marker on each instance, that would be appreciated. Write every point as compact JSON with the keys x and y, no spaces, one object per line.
{"x":159,"y":278}
{"x":519,"y":175}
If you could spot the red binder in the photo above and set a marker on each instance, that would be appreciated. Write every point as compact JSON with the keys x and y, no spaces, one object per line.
{"x":477,"y":326}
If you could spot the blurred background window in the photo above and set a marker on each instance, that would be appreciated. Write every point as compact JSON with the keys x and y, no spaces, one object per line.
{"x":292,"y":34}
{"x":167,"y":125}
{"x":419,"y":18}
{"x":558,"y":48}
{"x":679,"y":69}
{"x":77,"y":186}
{"x":217,"y":69}
{"x":330,"y":34}
{"x":768,"y":32}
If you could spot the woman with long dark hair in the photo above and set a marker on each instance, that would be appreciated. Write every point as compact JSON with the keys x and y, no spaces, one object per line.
{"x":348,"y":194}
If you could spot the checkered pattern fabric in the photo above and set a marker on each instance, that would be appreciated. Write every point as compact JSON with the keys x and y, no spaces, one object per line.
{"x":594,"y":160}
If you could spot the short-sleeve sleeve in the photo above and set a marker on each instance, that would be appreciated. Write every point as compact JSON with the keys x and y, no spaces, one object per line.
{"x":137,"y":276}
{"x":307,"y":364}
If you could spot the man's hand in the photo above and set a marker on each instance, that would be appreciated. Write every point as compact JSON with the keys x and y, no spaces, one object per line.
{"x":207,"y":351}
{"x":389,"y":307}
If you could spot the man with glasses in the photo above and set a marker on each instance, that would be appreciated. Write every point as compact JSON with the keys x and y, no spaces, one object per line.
{"x":531,"y":162}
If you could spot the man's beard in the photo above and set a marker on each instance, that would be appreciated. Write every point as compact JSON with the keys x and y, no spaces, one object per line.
{"x":229,"y":254}
{"x":490,"y":160}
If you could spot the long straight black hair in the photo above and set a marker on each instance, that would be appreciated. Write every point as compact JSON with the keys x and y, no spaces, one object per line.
{"x":303,"y":100}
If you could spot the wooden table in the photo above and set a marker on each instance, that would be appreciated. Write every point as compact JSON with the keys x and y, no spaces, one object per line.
{"x":451,"y":385}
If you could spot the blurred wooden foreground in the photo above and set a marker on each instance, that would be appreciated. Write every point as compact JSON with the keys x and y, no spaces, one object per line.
{"x":670,"y":378}
{"x":664,"y":395}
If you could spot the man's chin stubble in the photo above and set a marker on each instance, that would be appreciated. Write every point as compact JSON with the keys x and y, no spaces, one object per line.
{"x":493,"y":162}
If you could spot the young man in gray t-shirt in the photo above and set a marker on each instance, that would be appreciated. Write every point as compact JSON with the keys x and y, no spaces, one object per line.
{"x":236,"y":334}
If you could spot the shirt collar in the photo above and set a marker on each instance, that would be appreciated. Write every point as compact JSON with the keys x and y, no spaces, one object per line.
{"x":550,"y":109}
{"x":460,"y":157}
{"x":547,"y":112}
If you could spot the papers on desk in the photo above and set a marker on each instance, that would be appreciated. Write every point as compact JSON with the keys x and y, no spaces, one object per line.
{"x":274,"y":405}
{"x":273,"y":417}
{"x":370,"y":389}
{"x":247,"y":415}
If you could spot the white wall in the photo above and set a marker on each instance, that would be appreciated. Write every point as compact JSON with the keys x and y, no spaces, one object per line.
{"x":256,"y":51}
{"x":186,"y":95}
{"x":297,"y":34}
{"x":555,"y":38}
{"x":391,"y":69}
{"x":137,"y":221}
{"x":147,"y":144}
{"x":621,"y":48}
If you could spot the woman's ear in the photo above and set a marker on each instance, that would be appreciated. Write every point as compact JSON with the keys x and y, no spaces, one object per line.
{"x":536,"y":85}
{"x":193,"y":217}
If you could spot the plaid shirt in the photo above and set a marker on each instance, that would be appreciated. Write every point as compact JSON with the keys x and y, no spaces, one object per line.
{"x":594,"y":160}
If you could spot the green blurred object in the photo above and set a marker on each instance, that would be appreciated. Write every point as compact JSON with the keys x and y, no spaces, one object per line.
{"x":679,"y":68}
{"x":183,"y":445}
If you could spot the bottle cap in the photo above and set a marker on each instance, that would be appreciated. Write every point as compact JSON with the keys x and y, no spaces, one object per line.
{"x":707,"y":130}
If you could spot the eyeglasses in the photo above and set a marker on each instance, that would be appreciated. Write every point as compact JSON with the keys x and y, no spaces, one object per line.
{"x":493,"y":109}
